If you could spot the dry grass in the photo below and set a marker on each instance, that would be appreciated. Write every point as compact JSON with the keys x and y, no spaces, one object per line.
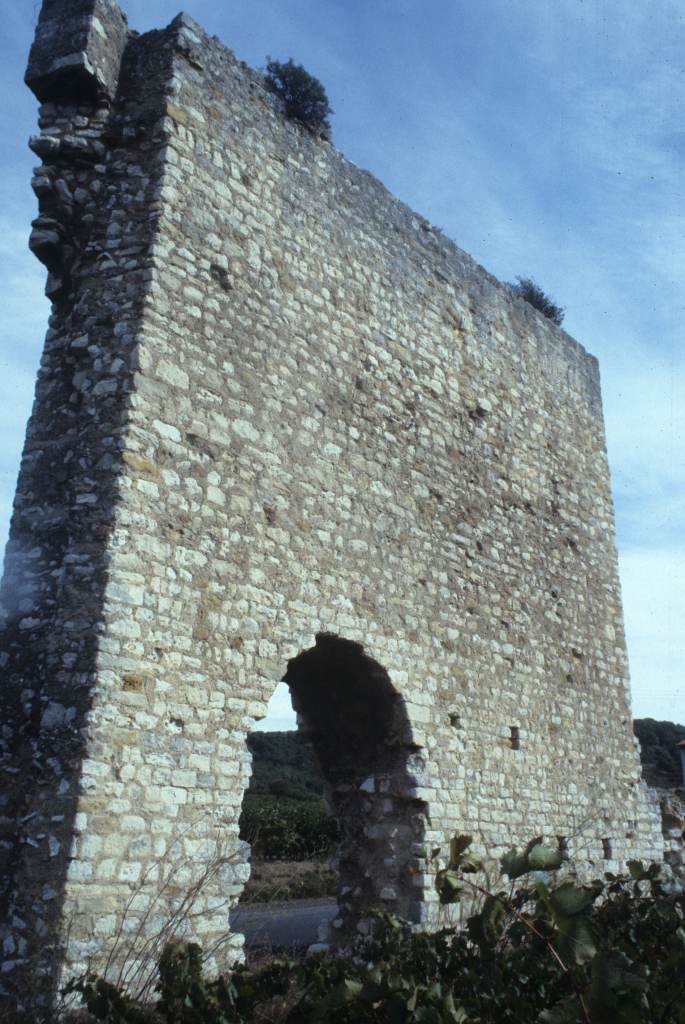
{"x":282,"y":880}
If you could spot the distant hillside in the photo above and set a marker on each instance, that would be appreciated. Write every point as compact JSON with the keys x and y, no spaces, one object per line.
{"x":283,"y":815}
{"x":660,"y":755}
{"x":283,"y":765}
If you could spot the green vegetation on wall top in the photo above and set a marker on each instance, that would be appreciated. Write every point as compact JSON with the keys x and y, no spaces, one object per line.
{"x":527,"y":289}
{"x":304,"y":96}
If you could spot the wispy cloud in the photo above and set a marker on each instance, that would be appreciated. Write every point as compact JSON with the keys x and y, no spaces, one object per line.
{"x":547,"y":140}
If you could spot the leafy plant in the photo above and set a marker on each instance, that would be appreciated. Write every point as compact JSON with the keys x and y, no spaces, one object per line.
{"x":536,"y":951}
{"x":611,"y":952}
{"x":303,"y":95}
{"x":532,"y":293}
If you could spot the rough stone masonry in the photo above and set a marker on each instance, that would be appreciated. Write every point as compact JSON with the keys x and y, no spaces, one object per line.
{"x":283,"y":427}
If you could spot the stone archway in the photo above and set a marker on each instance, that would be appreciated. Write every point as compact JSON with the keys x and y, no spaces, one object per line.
{"x":358,"y":727}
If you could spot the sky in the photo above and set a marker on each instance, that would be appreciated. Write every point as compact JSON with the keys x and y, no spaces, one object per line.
{"x":547,"y":140}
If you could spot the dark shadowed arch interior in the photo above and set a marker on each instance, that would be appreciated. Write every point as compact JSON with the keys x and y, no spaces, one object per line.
{"x":358,"y":727}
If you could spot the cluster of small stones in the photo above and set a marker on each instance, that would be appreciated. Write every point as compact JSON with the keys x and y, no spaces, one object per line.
{"x":274,"y":401}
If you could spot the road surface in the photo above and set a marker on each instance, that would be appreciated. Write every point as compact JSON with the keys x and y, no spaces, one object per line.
{"x":281,"y":925}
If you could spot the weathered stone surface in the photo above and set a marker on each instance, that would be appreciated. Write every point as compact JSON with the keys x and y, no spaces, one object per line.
{"x":274,"y":402}
{"x":77,"y":50}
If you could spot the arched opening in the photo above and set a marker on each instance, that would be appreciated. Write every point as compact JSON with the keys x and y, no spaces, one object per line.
{"x":284,"y":819}
{"x":358,"y":741}
{"x":357,"y":724}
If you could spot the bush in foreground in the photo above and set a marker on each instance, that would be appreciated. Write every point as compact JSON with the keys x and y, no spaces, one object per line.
{"x":612,"y":952}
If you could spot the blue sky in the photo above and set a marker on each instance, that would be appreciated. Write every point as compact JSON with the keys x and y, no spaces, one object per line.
{"x":547,"y":140}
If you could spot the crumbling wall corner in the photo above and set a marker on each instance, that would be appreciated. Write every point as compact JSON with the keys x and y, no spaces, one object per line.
{"x":77,"y":50}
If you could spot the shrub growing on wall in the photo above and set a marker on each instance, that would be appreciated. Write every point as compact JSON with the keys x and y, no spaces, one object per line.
{"x":532,"y":293}
{"x":303,"y":95}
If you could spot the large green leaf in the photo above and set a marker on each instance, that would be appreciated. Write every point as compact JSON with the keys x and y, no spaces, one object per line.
{"x":449,"y":886}
{"x":486,"y":928}
{"x":575,"y":942}
{"x":514,"y":863}
{"x":535,"y":857}
{"x":542,"y":858}
{"x":562,"y":1013}
{"x":458,"y":845}
{"x":532,"y":843}
{"x":471,"y":864}
{"x":352,"y":988}
{"x":614,"y":985}
{"x":638,"y":871}
{"x":569,"y":899}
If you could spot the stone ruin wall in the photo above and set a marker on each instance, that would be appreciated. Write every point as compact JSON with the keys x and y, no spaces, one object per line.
{"x":274,"y":402}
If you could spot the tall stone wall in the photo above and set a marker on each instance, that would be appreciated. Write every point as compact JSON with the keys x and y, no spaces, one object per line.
{"x":276,"y":403}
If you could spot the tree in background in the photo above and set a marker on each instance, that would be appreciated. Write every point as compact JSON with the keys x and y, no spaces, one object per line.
{"x":659,"y":751}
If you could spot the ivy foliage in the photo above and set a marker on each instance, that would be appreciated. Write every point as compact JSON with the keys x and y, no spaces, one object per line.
{"x":538,"y":949}
{"x":304,"y":97}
